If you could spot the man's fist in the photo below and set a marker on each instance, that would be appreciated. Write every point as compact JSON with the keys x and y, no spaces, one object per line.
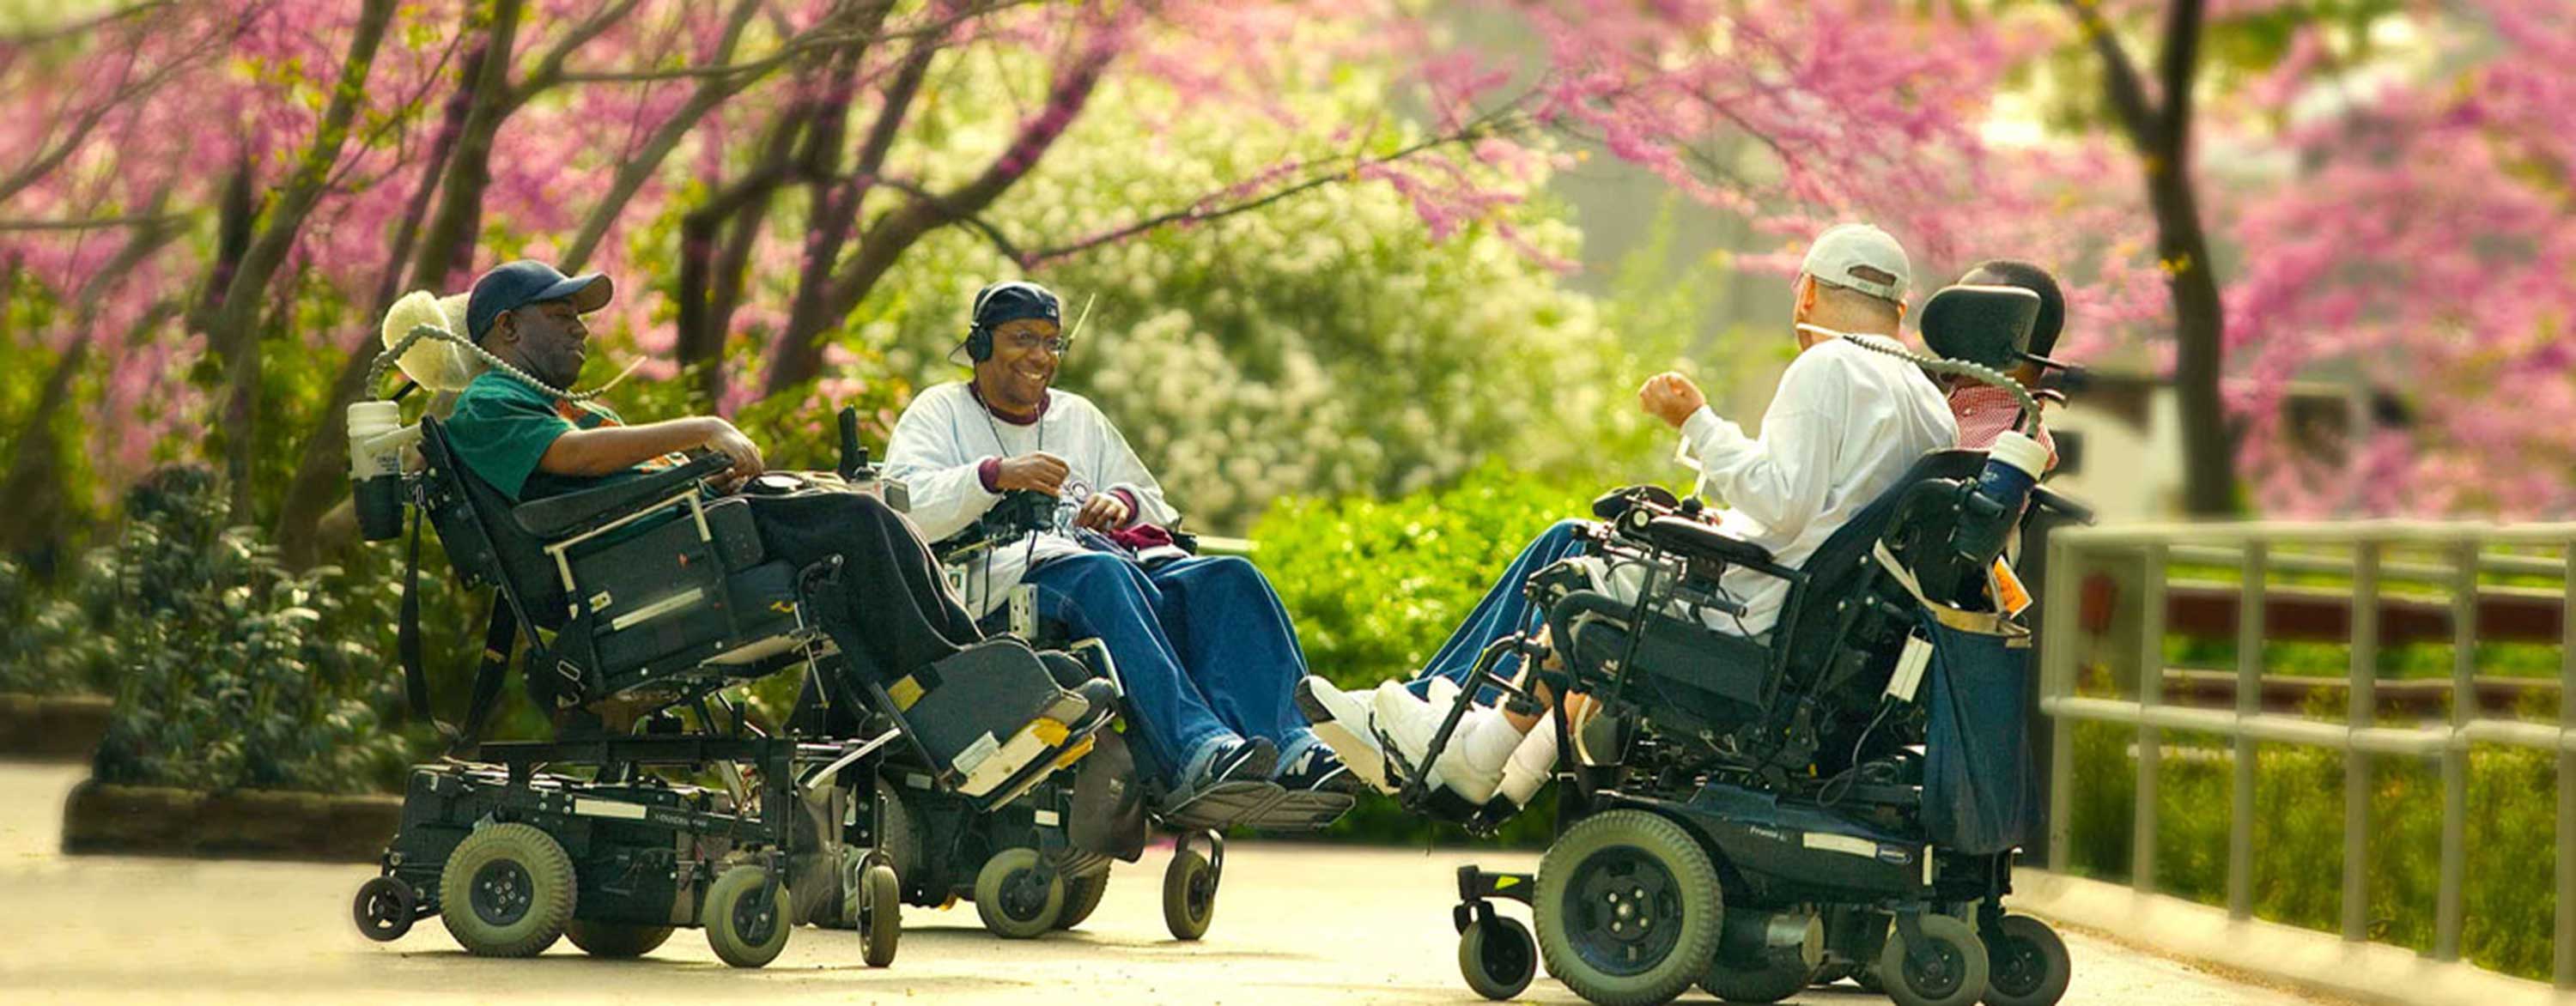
{"x":1103,"y":512}
{"x":1037,"y":471}
{"x":724,"y":439}
{"x":1670,"y":397}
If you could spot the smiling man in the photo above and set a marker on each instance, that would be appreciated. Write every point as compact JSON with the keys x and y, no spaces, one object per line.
{"x":1201,"y":643}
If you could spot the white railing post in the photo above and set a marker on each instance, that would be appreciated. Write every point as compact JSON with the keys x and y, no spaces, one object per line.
{"x":2455,"y":757}
{"x":2151,"y":694}
{"x":2562,"y":956}
{"x":2057,"y":680}
{"x":2359,"y":711}
{"x":2249,"y":703}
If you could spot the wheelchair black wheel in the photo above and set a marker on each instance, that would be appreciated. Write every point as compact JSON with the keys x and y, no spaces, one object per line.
{"x":880,"y":914}
{"x":1831,"y":973}
{"x":1781,"y":973}
{"x":1081,"y":897}
{"x":1498,"y":957}
{"x":2027,"y":963}
{"x":508,"y":891}
{"x":1189,"y":895}
{"x":386,"y":908}
{"x":1952,"y":971}
{"x":746,"y":917}
{"x":1628,"y":909}
{"x":1013,"y":901}
{"x":615,"y":940}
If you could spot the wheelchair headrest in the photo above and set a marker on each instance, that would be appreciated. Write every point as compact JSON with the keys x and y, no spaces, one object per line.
{"x":1988,"y":325}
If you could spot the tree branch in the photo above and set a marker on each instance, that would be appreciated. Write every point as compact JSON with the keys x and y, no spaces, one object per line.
{"x":41,"y":36}
{"x":550,"y":68}
{"x":635,"y":170}
{"x":2120,"y":77}
{"x":92,"y":224}
{"x":2175,"y":71}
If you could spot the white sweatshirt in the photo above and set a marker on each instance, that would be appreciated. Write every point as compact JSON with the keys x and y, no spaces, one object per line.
{"x":1844,"y":425}
{"x":943,"y":439}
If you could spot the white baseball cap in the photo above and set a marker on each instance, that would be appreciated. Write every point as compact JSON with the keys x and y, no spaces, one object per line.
{"x":1843,"y":249}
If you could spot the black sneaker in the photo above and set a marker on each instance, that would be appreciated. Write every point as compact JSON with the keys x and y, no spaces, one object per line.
{"x":1249,"y":761}
{"x":1316,"y":770}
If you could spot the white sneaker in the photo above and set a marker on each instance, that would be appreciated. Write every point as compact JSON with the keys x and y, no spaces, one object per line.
{"x":1341,"y":721}
{"x":1470,"y":766}
{"x":1532,"y":765}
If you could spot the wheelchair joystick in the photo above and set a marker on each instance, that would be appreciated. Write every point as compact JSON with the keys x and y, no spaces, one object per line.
{"x":854,"y":455}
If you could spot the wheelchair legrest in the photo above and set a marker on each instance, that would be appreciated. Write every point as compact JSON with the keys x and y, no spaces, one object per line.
{"x":652,"y":591}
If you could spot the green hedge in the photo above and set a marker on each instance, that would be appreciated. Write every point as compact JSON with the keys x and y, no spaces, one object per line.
{"x":2298,"y":837}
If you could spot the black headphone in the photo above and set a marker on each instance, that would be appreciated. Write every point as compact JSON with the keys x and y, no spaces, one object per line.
{"x":979,"y":338}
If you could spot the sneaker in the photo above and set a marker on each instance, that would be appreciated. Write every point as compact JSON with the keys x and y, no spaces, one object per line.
{"x":1243,"y":761}
{"x":1341,"y":721}
{"x":1316,"y":769}
{"x":1471,"y":766}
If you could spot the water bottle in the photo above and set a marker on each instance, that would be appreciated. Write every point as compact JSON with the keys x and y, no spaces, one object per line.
{"x":2013,"y":465}
{"x":375,"y":468}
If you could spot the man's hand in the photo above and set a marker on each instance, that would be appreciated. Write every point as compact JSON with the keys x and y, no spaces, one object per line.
{"x":1036,"y":471}
{"x":724,"y":439}
{"x":1670,"y":397}
{"x":1102,"y":512}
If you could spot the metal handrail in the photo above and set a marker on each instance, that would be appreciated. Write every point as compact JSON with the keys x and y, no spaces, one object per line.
{"x":2075,"y":552}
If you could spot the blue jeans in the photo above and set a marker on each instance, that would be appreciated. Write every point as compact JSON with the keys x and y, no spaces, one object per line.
{"x":1203,"y":647}
{"x":1505,"y":610}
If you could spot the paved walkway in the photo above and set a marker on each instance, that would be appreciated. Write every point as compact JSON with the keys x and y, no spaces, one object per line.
{"x":1294,"y":924}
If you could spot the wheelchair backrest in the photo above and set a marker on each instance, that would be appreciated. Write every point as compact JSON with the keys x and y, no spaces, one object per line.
{"x":482,"y":541}
{"x":1844,"y":579}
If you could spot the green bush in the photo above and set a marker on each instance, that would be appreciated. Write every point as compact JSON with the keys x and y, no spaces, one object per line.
{"x":230,"y":671}
{"x":1375,"y":587}
{"x":2298,"y":838}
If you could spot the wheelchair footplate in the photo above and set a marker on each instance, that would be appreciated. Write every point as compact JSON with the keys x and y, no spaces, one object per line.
{"x":1263,"y":806}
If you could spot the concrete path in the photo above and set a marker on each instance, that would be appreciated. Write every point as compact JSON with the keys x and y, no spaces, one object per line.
{"x":1294,"y":924}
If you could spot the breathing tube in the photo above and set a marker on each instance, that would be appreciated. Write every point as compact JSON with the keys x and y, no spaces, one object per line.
{"x":377,"y":435}
{"x":2013,"y":463}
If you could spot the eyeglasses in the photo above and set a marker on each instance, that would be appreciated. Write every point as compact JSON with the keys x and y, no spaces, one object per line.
{"x":1026,"y":341}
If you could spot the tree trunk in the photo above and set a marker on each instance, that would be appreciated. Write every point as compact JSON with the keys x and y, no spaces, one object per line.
{"x":447,"y":246}
{"x":32,"y":493}
{"x":798,"y":357}
{"x":320,"y":478}
{"x":235,"y":322}
{"x":2209,"y":456}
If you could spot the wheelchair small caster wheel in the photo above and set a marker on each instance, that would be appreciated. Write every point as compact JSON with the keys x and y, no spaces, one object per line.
{"x":386,"y":908}
{"x":1497,"y":956}
{"x":1011,"y":899}
{"x":1189,"y":895}
{"x":2027,"y":963}
{"x":615,"y":940}
{"x":508,"y":890}
{"x":746,"y":917}
{"x":1950,"y":970}
{"x":880,"y":914}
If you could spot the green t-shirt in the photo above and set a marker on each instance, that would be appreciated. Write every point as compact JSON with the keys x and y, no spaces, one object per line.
{"x":502,"y":426}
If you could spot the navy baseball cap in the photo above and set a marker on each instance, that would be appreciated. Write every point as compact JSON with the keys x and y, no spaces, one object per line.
{"x":515,"y":285}
{"x":1012,"y":301}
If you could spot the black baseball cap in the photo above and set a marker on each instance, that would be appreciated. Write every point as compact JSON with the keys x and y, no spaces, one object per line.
{"x":1013,"y":300}
{"x":515,"y":285}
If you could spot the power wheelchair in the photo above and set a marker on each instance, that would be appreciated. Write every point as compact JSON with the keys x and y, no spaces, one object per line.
{"x":1198,"y":820}
{"x":1839,"y":797}
{"x":660,"y":803}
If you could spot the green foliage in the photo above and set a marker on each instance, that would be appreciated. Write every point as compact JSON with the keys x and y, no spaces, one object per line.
{"x":1323,"y":345}
{"x":1375,"y":587}
{"x":2298,"y":837}
{"x":230,"y":671}
{"x":57,"y":640}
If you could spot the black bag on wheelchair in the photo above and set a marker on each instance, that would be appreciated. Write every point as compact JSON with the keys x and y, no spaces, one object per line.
{"x":1977,"y":781}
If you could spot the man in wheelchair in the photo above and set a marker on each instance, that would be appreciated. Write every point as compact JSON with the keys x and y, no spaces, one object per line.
{"x":1203,"y":649}
{"x":1845,"y":424}
{"x":529,"y":445}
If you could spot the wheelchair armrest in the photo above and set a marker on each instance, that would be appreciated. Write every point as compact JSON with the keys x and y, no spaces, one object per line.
{"x":2045,"y":498}
{"x":558,"y":516}
{"x":1700,"y":541}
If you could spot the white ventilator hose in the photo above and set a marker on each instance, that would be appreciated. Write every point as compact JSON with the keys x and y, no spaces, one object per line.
{"x":1958,"y":368}
{"x":393,"y":353}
